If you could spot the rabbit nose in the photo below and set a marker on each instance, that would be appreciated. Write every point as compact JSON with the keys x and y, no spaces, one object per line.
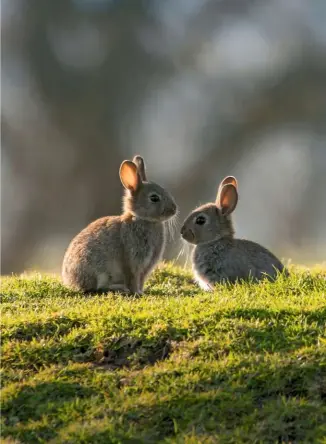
{"x":171,"y":210}
{"x":187,"y":234}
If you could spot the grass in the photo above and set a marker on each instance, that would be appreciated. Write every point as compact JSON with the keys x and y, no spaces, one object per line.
{"x":245,"y":364}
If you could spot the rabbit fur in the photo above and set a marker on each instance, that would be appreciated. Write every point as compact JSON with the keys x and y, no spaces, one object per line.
{"x":117,"y":253}
{"x":217,"y":255}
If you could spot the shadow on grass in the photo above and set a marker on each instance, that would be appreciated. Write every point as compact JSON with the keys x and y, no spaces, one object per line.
{"x":127,"y":351}
{"x":123,"y":351}
{"x":43,"y":398}
{"x":219,"y":413}
{"x":273,"y":404}
{"x":281,"y":331}
{"x":318,"y":316}
{"x":260,"y":401}
{"x":56,"y":326}
{"x":284,"y":330}
{"x":35,"y":402}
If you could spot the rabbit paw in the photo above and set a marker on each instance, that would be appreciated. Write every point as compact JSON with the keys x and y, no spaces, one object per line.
{"x":119,"y":288}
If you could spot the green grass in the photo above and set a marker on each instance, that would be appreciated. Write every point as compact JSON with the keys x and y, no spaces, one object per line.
{"x":245,"y":364}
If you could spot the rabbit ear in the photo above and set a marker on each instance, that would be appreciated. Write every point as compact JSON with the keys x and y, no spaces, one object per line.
{"x":226,"y":180}
{"x":139,"y":161}
{"x":129,"y":175}
{"x":227,"y":199}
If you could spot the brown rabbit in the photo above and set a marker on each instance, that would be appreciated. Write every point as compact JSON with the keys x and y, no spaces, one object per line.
{"x":117,"y":253}
{"x":218,"y":256}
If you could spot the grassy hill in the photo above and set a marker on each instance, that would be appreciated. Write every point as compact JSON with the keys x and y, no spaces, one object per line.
{"x":245,"y":364}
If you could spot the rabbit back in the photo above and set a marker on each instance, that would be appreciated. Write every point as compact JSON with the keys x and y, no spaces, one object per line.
{"x":233,"y":259}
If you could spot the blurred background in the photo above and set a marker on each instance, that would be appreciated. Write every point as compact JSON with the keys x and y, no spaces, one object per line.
{"x":200,"y":88}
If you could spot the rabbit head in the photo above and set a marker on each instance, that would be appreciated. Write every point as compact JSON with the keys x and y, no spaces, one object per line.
{"x":212,"y":221}
{"x":146,"y":200}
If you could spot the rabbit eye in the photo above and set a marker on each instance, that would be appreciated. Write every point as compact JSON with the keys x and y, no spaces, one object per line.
{"x":154,"y":198}
{"x":200,"y":220}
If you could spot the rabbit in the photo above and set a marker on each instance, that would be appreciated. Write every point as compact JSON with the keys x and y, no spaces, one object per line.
{"x":218,"y":256}
{"x":117,"y":253}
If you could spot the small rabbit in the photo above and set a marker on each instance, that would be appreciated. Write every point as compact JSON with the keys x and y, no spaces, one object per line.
{"x":117,"y":253}
{"x":218,"y":256}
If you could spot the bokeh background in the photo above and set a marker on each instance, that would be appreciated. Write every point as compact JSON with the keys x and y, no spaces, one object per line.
{"x":200,"y":88}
